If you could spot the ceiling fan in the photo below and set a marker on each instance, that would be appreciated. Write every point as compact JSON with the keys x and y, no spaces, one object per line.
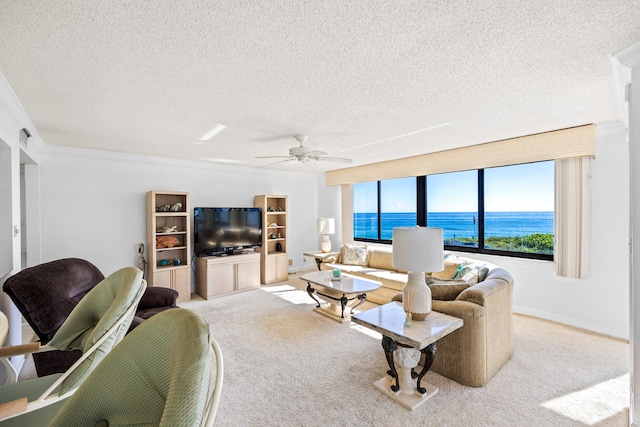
{"x":302,"y":154}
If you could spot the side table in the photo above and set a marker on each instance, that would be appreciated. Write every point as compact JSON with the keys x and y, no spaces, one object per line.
{"x":319,"y":256}
{"x":406,"y":343}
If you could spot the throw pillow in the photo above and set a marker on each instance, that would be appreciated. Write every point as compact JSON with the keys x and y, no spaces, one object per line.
{"x":450,"y":269}
{"x":353,"y":254}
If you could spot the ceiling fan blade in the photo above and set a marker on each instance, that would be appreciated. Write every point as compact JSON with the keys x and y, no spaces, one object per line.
{"x":272,"y":157}
{"x":334,"y":159}
{"x":315,"y":153}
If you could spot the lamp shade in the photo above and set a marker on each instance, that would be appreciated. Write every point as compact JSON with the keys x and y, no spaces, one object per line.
{"x":326,"y":225}
{"x":418,"y":249}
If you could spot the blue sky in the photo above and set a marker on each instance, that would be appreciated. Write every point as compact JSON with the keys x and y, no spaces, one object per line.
{"x":528,"y":187}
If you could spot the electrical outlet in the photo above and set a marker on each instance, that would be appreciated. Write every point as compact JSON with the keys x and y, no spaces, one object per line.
{"x":290,"y":262}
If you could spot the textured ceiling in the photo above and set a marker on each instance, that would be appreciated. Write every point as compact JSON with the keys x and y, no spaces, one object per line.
{"x":363,"y":79}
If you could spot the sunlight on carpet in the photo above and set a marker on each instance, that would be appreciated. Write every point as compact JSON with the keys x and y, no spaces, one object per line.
{"x":597,"y":397}
{"x":289,"y":293}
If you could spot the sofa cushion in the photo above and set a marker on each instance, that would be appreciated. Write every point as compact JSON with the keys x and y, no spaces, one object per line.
{"x":353,"y":254}
{"x":449,"y":289}
{"x":382,"y":259}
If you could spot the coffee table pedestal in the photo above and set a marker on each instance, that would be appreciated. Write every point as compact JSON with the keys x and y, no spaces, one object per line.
{"x":336,"y":304}
{"x":406,"y":360}
{"x":338,"y":294}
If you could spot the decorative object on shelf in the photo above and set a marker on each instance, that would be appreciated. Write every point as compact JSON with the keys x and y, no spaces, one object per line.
{"x":163,"y":262}
{"x":272,"y":236}
{"x":176,"y":207}
{"x":164,"y":208}
{"x":326,"y":226}
{"x":166,"y":242}
{"x":177,"y":261}
{"x":167,"y":229}
{"x":279,"y":236}
{"x":273,"y":225}
{"x":278,"y":247}
{"x":142,"y":263}
{"x":270,"y":209}
{"x":417,"y":250}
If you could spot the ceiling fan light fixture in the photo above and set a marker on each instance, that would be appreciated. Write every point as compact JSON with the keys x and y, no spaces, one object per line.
{"x":213,"y":132}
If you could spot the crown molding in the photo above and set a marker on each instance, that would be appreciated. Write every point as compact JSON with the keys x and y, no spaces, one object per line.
{"x":629,"y":56}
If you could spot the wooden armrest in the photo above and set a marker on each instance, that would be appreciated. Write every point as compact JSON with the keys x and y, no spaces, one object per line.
{"x":17,"y":350}
{"x":12,"y":408}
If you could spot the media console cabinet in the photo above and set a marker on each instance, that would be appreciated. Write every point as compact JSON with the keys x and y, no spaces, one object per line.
{"x":219,"y":275}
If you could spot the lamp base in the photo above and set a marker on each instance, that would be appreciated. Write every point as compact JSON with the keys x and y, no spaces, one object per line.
{"x":326,"y":244}
{"x":416,"y":296}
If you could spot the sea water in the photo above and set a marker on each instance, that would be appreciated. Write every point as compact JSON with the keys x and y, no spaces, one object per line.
{"x":457,"y":225}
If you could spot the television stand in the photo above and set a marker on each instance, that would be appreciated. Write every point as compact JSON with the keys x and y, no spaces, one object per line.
{"x":219,"y":274}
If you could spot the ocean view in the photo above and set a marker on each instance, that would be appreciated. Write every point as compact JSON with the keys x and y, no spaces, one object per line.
{"x":457,"y":225}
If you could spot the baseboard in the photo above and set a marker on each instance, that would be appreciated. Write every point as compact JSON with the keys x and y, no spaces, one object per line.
{"x":597,"y":328}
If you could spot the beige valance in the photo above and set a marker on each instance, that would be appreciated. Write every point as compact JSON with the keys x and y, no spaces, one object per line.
{"x":556,"y":145}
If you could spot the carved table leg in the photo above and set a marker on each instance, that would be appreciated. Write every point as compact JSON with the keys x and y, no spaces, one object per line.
{"x":310,"y":291}
{"x":343,"y":303}
{"x":389,"y":347}
{"x":362,"y":298}
{"x":429,"y":356}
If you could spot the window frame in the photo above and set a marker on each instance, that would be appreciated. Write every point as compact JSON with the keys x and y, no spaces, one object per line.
{"x":421,"y":219}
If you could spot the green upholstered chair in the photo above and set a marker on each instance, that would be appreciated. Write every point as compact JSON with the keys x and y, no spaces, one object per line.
{"x":96,"y":324}
{"x":161,"y":374}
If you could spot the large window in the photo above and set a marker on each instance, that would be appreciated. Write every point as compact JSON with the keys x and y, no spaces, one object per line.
{"x":365,"y":211}
{"x":519,"y":207}
{"x":505,"y":210}
{"x":452,"y":204}
{"x":397,"y":205}
{"x":380,"y":206}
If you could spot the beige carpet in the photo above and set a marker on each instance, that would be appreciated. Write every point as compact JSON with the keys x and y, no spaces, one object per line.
{"x":289,"y":366}
{"x":286,"y":365}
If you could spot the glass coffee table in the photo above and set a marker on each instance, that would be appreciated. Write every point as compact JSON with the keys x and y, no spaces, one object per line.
{"x":337,"y":293}
{"x":407,"y":344}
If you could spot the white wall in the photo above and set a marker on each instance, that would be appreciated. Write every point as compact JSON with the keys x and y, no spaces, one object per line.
{"x":329,"y":207}
{"x":93,"y":202}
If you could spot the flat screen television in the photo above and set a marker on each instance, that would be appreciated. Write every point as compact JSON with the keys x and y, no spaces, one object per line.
{"x":224,"y":231}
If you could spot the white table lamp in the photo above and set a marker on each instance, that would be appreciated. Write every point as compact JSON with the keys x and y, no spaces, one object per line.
{"x":417,"y":250}
{"x":326,"y":226}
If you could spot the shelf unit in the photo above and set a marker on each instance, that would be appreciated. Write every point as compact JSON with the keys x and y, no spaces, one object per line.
{"x":274,"y":261}
{"x":176,"y":274}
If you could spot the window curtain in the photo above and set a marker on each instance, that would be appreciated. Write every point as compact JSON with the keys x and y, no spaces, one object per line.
{"x":572,"y":216}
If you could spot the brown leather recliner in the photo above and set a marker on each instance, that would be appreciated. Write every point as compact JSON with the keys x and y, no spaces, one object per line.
{"x":45,"y":295}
